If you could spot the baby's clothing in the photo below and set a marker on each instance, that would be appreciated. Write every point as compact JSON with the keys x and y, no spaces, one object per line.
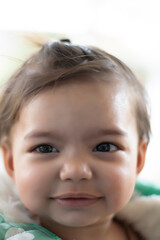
{"x":17,"y":223}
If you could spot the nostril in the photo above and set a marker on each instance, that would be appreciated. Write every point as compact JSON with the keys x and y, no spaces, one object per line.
{"x":75,"y":172}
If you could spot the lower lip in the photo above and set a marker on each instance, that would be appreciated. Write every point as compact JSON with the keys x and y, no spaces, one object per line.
{"x":76,"y":202}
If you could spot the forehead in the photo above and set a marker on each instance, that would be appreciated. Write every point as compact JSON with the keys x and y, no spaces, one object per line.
{"x":93,"y":90}
{"x":79,"y":106}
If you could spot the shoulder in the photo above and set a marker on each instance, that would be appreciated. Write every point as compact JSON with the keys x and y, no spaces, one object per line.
{"x":16,"y":231}
{"x":143,"y":210}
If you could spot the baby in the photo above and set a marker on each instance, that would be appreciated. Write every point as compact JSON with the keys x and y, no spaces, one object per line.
{"x":74,"y":130}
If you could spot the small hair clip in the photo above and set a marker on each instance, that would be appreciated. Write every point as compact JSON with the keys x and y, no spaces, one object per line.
{"x":65,"y":40}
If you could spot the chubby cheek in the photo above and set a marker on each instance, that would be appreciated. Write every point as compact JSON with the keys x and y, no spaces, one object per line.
{"x":33,"y":186}
{"x":118,"y":185}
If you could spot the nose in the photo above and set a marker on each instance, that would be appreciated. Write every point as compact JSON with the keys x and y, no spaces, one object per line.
{"x":75,"y":170}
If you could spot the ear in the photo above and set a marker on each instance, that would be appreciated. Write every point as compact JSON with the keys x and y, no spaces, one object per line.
{"x":142,"y":147}
{"x":8,"y":159}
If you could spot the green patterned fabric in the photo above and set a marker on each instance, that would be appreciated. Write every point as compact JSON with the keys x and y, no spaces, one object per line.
{"x":20,"y":231}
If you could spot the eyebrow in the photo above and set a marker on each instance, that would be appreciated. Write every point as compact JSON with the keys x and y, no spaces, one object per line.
{"x":111,"y":132}
{"x":94,"y":133}
{"x":38,"y":134}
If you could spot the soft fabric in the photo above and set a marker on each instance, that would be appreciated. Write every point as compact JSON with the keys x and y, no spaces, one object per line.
{"x":17,"y":223}
{"x":17,"y":231}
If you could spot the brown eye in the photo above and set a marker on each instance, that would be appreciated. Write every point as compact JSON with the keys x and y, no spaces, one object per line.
{"x":45,"y":149}
{"x":105,"y":147}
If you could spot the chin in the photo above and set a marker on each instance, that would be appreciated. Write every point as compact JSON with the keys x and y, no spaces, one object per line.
{"x":78,"y":222}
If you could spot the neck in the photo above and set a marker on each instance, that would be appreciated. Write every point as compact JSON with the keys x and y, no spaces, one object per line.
{"x":107,"y":230}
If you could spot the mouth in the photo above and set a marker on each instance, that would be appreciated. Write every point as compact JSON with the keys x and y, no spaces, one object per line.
{"x":79,"y":200}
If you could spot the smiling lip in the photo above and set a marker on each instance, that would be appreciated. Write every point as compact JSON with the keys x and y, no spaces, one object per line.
{"x":76,"y":200}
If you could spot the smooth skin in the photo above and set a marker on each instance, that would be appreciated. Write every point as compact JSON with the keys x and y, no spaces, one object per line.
{"x":74,"y":155}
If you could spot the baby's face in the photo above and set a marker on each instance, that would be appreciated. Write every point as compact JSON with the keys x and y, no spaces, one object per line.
{"x":75,"y":153}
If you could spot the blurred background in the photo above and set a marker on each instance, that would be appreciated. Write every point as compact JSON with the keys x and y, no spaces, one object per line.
{"x":128,"y":29}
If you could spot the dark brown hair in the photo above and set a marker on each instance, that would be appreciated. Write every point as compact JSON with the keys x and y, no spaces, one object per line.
{"x":58,"y":61}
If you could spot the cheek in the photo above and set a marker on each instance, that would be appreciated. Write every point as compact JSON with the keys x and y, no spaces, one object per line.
{"x":118,"y":185}
{"x":33,"y":184}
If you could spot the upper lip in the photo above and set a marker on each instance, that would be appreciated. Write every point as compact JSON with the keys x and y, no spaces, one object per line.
{"x":76,"y":195}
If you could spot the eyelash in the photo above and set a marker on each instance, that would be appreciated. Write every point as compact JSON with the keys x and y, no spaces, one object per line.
{"x":102,"y":147}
